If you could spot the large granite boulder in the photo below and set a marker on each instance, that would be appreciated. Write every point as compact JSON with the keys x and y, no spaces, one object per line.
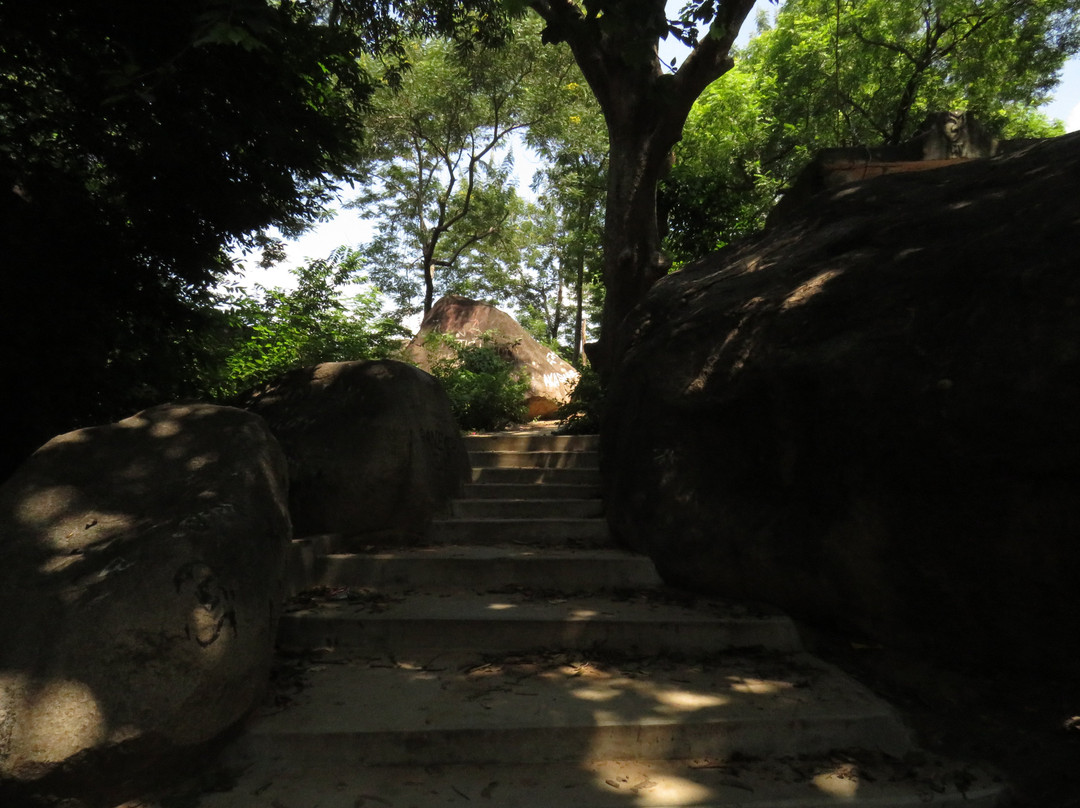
{"x":373,"y":448}
{"x":869,"y":414}
{"x":551,"y":378}
{"x":142,"y":579}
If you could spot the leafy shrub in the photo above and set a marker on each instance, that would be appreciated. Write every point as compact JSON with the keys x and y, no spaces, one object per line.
{"x":486,"y":391}
{"x":275,"y":331}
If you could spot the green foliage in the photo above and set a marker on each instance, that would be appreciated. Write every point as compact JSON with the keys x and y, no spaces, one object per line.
{"x":582,"y":414}
{"x":137,"y":141}
{"x":572,"y":191}
{"x":723,"y":182}
{"x":486,"y":391}
{"x":842,"y":73}
{"x":437,"y":164}
{"x":277,"y":331}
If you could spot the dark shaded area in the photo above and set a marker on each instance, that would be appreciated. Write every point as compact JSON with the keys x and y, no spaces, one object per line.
{"x":140,"y":140}
{"x":1023,"y":723}
{"x":372,"y":447}
{"x":142,"y":578}
{"x":867,"y":415}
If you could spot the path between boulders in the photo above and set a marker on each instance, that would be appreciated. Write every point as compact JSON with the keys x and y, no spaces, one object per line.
{"x":537,"y":665}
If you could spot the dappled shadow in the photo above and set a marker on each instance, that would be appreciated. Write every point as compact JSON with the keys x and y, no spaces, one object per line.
{"x":554,"y":729}
{"x":142,"y":560}
{"x":881,"y":391}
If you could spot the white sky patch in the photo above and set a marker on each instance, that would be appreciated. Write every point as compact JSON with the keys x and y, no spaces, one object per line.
{"x":1072,"y":123}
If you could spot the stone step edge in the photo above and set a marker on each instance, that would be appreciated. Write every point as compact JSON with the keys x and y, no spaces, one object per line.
{"x":534,"y":491}
{"x":518,"y":520}
{"x":851,"y":778}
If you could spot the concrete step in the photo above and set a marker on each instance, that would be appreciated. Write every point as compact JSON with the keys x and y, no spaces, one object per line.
{"x":535,"y":460}
{"x":527,"y":476}
{"x":563,"y":708}
{"x":449,"y":567}
{"x":530,"y":491}
{"x":644,"y":623}
{"x":531,"y":443}
{"x":487,"y":508}
{"x":854,"y":781}
{"x":587,"y":532}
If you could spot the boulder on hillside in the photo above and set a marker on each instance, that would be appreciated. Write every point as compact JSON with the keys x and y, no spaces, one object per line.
{"x":141,"y":583}
{"x":373,"y":448}
{"x":551,"y":378}
{"x":868,"y":414}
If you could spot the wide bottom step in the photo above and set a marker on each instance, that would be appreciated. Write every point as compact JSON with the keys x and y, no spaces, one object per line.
{"x":550,"y":708}
{"x":857,"y":781}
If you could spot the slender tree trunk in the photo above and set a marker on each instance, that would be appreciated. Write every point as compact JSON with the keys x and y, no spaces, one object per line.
{"x":556,"y":320}
{"x":429,"y":284}
{"x":579,"y":302}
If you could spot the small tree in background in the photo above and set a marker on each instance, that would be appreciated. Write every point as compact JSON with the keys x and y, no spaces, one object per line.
{"x":274,"y":331}
{"x":437,"y":164}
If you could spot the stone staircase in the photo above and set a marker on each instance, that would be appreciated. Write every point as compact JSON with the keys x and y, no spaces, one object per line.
{"x":518,"y":660}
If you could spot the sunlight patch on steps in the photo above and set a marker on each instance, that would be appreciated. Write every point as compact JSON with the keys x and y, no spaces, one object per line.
{"x":758,"y":687}
{"x":645,"y":788}
{"x":583,"y":614}
{"x":841,"y":782}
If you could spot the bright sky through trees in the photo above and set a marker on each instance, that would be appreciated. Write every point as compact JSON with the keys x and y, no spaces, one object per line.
{"x":349,"y":228}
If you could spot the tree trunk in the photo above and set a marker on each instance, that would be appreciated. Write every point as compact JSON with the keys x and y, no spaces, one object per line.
{"x":429,"y":282}
{"x":556,"y":320}
{"x":644,"y":111}
{"x":633,"y":261}
{"x":579,"y":302}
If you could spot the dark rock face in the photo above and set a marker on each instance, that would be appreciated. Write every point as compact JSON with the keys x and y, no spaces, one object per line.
{"x":551,"y":378}
{"x":141,"y":583}
{"x":372,"y":447}
{"x":869,"y":415}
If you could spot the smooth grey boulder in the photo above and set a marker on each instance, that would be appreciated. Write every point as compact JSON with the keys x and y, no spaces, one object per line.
{"x":373,"y":448}
{"x":141,"y":583}
{"x":868,"y":415}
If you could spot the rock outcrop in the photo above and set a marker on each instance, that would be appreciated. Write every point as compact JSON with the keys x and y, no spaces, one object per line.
{"x":373,"y":448}
{"x":868,"y":415}
{"x":943,"y":138}
{"x":141,"y":584}
{"x":551,"y":378}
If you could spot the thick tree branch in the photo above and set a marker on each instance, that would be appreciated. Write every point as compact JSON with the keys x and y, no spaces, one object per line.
{"x":711,"y":58}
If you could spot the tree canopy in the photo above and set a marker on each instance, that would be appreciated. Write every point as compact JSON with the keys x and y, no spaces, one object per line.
{"x":139,"y":141}
{"x":436,"y":165}
{"x":440,"y":186}
{"x":829,"y":73}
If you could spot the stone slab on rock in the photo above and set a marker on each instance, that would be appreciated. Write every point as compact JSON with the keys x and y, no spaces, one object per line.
{"x":551,"y":378}
{"x":373,"y":448}
{"x":943,"y":138}
{"x":139,"y":595}
{"x":868,"y":415}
